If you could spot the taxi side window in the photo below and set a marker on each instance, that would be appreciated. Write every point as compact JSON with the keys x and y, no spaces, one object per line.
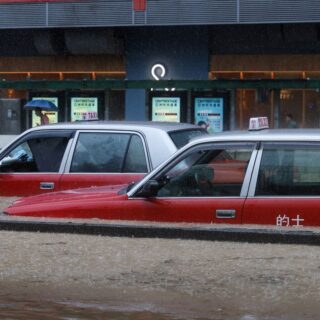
{"x":215,"y":172}
{"x":135,"y":159}
{"x":109,"y":153}
{"x":289,"y":171}
{"x":43,"y":154}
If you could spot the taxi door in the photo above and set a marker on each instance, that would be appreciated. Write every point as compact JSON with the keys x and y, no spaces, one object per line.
{"x":33,"y":164}
{"x":207,"y":184}
{"x":285,"y":187}
{"x":105,"y":158}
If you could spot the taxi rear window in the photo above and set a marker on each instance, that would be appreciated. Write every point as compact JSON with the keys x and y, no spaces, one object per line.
{"x":182,"y":137}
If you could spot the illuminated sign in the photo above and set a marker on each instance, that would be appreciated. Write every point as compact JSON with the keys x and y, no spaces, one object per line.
{"x":84,"y":108}
{"x":158,"y":71}
{"x":158,"y":74}
{"x":210,"y":111}
{"x":166,"y":109}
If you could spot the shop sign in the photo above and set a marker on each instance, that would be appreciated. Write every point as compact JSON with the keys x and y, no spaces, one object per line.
{"x":84,"y":108}
{"x":166,"y":109}
{"x":158,"y":71}
{"x":52,"y":115}
{"x":209,"y":110}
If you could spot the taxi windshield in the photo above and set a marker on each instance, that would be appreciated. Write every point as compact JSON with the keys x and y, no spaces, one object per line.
{"x":182,"y":137}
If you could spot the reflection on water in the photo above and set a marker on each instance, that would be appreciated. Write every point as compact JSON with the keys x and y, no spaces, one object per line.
{"x":50,"y":310}
{"x":35,"y":310}
{"x":46,"y":310}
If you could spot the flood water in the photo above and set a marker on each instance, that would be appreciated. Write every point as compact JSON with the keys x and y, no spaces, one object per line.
{"x":34,"y":310}
{"x":73,"y":277}
{"x":12,"y":309}
{"x":75,"y":310}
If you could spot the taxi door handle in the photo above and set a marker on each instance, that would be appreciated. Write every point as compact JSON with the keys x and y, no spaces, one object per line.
{"x":46,"y":185}
{"x":225,"y":213}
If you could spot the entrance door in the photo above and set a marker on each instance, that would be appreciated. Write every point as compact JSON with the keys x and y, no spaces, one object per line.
{"x":10,"y":116}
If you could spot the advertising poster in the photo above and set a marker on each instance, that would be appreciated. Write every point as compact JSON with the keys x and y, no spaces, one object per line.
{"x":84,"y":109}
{"x":209,"y":110}
{"x":166,"y":109}
{"x":52,"y":115}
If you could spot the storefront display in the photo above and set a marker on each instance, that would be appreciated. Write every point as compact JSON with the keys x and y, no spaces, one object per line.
{"x":210,"y":111}
{"x":84,"y":108}
{"x":166,"y":109}
{"x":51,"y":115}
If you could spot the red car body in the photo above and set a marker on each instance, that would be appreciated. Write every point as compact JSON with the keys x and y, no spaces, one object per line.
{"x":106,"y":203}
{"x":58,"y":157}
{"x":270,"y":177}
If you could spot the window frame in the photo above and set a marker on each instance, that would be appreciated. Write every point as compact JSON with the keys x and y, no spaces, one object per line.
{"x":209,"y":146}
{"x":131,"y":133}
{"x":277,"y":144}
{"x":41,"y":134}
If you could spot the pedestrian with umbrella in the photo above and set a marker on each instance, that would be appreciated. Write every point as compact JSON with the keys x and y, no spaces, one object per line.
{"x":38,"y":105}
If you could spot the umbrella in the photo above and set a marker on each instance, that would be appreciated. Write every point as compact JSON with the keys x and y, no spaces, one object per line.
{"x":41,"y":104}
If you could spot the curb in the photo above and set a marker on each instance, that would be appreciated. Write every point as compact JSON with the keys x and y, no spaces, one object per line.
{"x":190,"y":233}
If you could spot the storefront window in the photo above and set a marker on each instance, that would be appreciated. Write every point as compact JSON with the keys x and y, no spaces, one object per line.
{"x":291,"y":103}
{"x":302,"y":105}
{"x":311,"y":109}
{"x":253,"y":103}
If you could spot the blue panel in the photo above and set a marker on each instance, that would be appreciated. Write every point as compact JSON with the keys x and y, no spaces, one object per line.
{"x":183,"y":52}
{"x":135,"y":104}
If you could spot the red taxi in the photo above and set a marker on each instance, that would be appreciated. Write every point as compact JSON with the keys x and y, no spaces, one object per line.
{"x":83,"y":154}
{"x":255,"y":177}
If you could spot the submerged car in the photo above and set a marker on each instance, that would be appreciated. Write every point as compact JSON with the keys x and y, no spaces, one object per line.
{"x":258,"y":177}
{"x":83,"y":154}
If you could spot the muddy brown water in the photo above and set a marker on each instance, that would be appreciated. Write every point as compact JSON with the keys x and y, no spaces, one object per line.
{"x":61,"y":276}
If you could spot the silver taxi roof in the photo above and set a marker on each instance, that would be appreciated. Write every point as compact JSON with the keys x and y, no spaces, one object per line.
{"x":160,"y":145}
{"x":263,"y":135}
{"x":238,"y":136}
{"x":118,"y":125}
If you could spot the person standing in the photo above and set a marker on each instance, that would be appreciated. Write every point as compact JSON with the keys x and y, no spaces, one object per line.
{"x":44,"y":119}
{"x":290,"y":122}
{"x":205,"y":126}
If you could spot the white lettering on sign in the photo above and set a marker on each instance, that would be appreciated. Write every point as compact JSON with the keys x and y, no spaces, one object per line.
{"x":285,"y":221}
{"x":159,"y":71}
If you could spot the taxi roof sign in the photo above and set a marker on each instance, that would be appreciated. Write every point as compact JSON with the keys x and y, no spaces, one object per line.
{"x":258,"y":123}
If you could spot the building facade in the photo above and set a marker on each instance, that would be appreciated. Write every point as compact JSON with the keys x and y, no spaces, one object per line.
{"x":216,"y":61}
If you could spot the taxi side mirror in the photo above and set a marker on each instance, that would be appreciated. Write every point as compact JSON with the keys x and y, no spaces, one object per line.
{"x":8,"y":161}
{"x":150,"y":189}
